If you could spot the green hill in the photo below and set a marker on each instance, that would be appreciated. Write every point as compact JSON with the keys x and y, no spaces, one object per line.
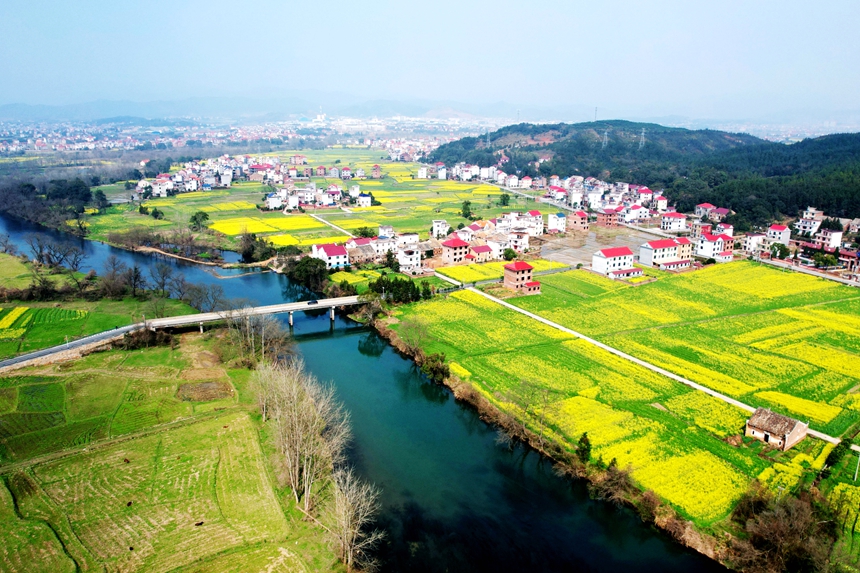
{"x":760,"y":180}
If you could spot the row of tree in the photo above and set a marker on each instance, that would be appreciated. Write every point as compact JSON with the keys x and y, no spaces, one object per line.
{"x":312,"y":432}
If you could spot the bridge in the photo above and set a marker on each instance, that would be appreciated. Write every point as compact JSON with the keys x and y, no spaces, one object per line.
{"x":187,"y":320}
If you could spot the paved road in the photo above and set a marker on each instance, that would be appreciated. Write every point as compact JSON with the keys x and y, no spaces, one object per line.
{"x":98,"y":337}
{"x":332,"y":225}
{"x":805,"y":270}
{"x":647,"y":365}
{"x":185,"y":320}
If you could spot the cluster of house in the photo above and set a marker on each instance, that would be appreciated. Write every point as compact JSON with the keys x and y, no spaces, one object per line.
{"x":480,"y":242}
{"x":220,"y":172}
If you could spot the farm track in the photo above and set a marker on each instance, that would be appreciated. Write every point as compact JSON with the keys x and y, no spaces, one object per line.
{"x":332,"y":225}
{"x":103,"y":444}
{"x":649,"y":366}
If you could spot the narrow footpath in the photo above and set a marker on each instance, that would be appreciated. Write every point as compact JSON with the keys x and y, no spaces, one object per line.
{"x":657,"y":369}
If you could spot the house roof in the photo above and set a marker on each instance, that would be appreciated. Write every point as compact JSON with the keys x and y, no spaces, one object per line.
{"x":660,"y":198}
{"x":534,"y":213}
{"x":616,"y":252}
{"x":581,"y":214}
{"x":482,"y":249}
{"x":682,"y":241}
{"x":778,"y":227}
{"x":705,"y":206}
{"x":662,"y":244}
{"x":771,"y":422}
{"x":533,"y":284}
{"x":623,"y":272}
{"x":714,"y":238}
{"x":674,"y":215}
{"x":331,"y":250}
{"x":455,"y":242}
{"x":721,"y":211}
{"x":727,"y":253}
{"x":518,"y":266}
{"x":359,"y":241}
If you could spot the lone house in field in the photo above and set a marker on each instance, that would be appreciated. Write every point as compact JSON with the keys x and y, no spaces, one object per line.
{"x":518,"y":277}
{"x":775,"y":429}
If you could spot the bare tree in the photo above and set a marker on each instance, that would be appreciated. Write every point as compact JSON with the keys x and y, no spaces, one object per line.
{"x":112,"y":283}
{"x":356,"y":505}
{"x":413,"y":333}
{"x":178,"y":286}
{"x":75,"y":258}
{"x":134,"y":279}
{"x":7,"y":245}
{"x":161,"y":274}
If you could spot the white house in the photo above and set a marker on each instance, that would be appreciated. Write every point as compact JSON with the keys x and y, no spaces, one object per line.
{"x":422,"y":173}
{"x":442,"y":173}
{"x":779,"y":234}
{"x":519,"y":241}
{"x":673,"y":222}
{"x":725,"y":229}
{"x":702,"y":209}
{"x":274,"y":201}
{"x":335,"y":256}
{"x":407,"y":240}
{"x":717,"y":247}
{"x":440,"y":228}
{"x":556,"y":223}
{"x":385,"y":231}
{"x":660,"y":203}
{"x":409,"y":259}
{"x":616,"y":262}
{"x":363,"y":200}
{"x":754,"y":242}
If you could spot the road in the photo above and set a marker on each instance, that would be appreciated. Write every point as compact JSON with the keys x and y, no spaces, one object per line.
{"x":185,"y":320}
{"x":653,"y":368}
{"x":71,"y":345}
{"x":332,"y":225}
{"x":808,"y":271}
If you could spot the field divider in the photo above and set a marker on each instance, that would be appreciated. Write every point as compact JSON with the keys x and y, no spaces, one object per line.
{"x":649,"y":366}
{"x":332,"y":225}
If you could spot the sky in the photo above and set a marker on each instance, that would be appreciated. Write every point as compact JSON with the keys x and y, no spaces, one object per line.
{"x":722,"y":59}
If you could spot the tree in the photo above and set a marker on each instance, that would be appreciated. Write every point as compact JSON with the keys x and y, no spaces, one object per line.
{"x":74,"y":259}
{"x":391,"y":261}
{"x":466,"y":210}
{"x":504,"y":200}
{"x":198,"y":220}
{"x":156,"y":214}
{"x":583,"y":448}
{"x":435,"y":367}
{"x":366,"y":232}
{"x":161,"y":274}
{"x":112,"y":282}
{"x":356,"y":505}
{"x":778,"y":250}
{"x":100,"y":200}
{"x":510,"y":254}
{"x":134,"y":279}
{"x":309,"y":272}
{"x":7,"y":245}
{"x":205,"y":298}
{"x":413,"y":332}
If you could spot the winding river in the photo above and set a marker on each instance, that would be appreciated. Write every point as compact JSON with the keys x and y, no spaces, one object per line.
{"x":453,"y":500}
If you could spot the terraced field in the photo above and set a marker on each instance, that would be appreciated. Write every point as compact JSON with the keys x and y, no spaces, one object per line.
{"x":191,"y":491}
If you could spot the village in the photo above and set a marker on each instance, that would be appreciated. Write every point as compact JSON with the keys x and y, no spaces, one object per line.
{"x":687,"y":241}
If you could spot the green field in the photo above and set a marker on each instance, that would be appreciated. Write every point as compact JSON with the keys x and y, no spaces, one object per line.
{"x":408,"y":204}
{"x":25,"y":327}
{"x":783,"y":340}
{"x":15,"y":273}
{"x":674,"y":438}
{"x":148,"y":477}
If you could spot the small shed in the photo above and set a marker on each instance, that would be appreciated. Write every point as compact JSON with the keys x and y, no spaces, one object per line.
{"x":775,"y":429}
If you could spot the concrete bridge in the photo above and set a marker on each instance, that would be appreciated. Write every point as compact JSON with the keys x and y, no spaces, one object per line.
{"x":288,"y":307}
{"x":100,"y":338}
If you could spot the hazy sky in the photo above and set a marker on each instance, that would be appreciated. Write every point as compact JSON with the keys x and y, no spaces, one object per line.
{"x":703,"y":59}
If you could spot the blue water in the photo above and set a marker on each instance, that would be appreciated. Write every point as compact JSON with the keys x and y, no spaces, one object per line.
{"x":453,"y":500}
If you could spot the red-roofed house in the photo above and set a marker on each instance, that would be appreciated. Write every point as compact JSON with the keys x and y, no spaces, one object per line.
{"x":454,"y":251}
{"x":673,"y":222}
{"x":376,"y":172}
{"x":779,"y":234}
{"x":666,"y":253}
{"x":660,"y":203}
{"x":698,"y":228}
{"x":718,"y":214}
{"x":607,"y":261}
{"x":320,"y":171}
{"x":481,"y":253}
{"x":335,"y":256}
{"x":518,"y":276}
{"x":577,"y":221}
{"x":702,"y":209}
{"x":717,"y":247}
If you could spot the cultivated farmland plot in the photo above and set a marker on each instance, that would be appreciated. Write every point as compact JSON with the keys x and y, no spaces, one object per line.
{"x":675,"y":439}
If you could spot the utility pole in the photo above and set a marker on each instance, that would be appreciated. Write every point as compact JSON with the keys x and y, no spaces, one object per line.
{"x":857,"y":468}
{"x":642,"y":139}
{"x":595,"y":113}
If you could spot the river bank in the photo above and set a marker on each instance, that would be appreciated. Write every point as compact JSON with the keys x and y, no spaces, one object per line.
{"x":564,"y":457}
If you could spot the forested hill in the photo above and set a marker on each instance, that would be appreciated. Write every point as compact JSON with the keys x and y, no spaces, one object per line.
{"x":762,"y":181}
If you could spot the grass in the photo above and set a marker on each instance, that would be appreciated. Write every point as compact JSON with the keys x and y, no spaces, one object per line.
{"x":672,"y":437}
{"x":197,"y":495}
{"x":787,"y":341}
{"x":41,"y":325}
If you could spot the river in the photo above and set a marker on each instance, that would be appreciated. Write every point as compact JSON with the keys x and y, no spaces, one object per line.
{"x":452,"y":499}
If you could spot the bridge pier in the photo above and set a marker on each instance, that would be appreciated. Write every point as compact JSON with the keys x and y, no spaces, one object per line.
{"x":331,"y":313}
{"x":201,"y":328}
{"x":291,"y":318}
